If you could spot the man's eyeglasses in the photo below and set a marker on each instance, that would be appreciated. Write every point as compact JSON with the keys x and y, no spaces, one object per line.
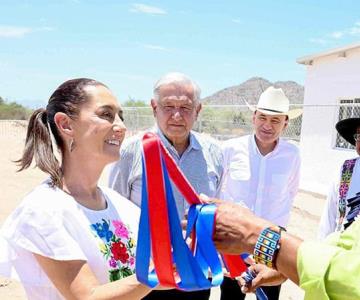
{"x":357,"y":137}
{"x":170,"y":109}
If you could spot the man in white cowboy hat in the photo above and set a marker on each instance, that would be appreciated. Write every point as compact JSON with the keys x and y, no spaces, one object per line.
{"x":261,"y":170}
{"x":335,"y":213}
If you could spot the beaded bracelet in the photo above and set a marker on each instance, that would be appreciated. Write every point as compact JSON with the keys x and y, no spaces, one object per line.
{"x":267,"y":246}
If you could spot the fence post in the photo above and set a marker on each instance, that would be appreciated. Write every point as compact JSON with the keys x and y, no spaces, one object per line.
{"x":200,"y":122}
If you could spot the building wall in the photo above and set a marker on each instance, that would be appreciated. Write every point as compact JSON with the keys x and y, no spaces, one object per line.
{"x":328,"y":80}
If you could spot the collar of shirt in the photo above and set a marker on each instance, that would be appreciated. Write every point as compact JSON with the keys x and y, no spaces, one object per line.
{"x":256,"y":150}
{"x":194,"y":144}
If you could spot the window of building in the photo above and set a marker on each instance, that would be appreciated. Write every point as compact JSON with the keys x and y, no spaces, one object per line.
{"x":349,"y":108}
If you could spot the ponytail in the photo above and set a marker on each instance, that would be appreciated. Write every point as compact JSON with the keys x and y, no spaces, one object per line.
{"x":38,"y":145}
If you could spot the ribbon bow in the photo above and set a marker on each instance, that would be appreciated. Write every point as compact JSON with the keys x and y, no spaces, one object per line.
{"x":160,"y":233}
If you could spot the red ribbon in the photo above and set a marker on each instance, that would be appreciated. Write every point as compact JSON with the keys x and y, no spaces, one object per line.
{"x":158,"y":211}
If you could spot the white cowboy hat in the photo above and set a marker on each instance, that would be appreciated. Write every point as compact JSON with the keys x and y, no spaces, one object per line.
{"x":274,"y":102}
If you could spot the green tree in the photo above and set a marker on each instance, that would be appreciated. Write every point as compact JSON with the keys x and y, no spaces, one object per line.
{"x":13,"y":111}
{"x":131,"y":102}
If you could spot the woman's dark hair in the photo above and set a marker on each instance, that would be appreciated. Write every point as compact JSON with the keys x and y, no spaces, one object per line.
{"x":68,"y":99}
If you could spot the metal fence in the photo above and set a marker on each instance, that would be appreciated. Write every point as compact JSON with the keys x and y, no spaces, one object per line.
{"x":13,"y":128}
{"x":220,"y":121}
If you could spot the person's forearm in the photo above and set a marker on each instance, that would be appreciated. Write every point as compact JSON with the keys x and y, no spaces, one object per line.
{"x":237,"y":231}
{"x":286,"y":261}
{"x":127,"y":287}
{"x":75,"y":280}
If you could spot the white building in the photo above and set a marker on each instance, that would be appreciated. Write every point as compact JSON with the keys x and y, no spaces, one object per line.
{"x":332,"y":79}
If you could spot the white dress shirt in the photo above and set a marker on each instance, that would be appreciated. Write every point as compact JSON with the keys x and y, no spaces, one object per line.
{"x":265,"y":184}
{"x":331,"y":214}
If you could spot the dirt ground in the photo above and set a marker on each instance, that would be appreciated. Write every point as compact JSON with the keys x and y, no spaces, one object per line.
{"x":303,"y":222}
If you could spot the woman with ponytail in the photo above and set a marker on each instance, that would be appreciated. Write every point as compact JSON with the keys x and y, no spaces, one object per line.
{"x":70,"y":238}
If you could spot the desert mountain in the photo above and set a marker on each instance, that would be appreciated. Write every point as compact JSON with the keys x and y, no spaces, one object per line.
{"x":251,"y":89}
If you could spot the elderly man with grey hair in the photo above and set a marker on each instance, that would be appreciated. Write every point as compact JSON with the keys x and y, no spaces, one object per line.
{"x":175,"y":107}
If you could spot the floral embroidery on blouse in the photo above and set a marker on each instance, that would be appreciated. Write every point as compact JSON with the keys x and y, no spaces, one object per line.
{"x":117,"y":247}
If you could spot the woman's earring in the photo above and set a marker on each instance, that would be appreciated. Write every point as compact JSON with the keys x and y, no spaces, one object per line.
{"x":71,"y":145}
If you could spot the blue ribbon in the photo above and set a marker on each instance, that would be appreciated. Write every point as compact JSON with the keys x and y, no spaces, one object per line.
{"x":143,"y":250}
{"x":248,"y":277}
{"x":194,"y":268}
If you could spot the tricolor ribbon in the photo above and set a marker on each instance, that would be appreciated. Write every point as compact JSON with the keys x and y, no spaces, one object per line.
{"x":160,"y":233}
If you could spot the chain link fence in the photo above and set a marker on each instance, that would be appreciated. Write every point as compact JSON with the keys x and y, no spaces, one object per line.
{"x":220,"y":121}
{"x":13,"y":128}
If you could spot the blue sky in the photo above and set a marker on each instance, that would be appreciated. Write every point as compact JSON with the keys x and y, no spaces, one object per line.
{"x":128,"y":45}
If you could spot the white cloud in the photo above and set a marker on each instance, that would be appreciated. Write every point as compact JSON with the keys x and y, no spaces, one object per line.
{"x":147,"y":9}
{"x":337,"y":34}
{"x":238,"y":21}
{"x":45,"y":28}
{"x":352,"y":31}
{"x":14,"y":32}
{"x":355,"y":30}
{"x":155,"y":47}
{"x":19,"y":32}
{"x":318,"y":41}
